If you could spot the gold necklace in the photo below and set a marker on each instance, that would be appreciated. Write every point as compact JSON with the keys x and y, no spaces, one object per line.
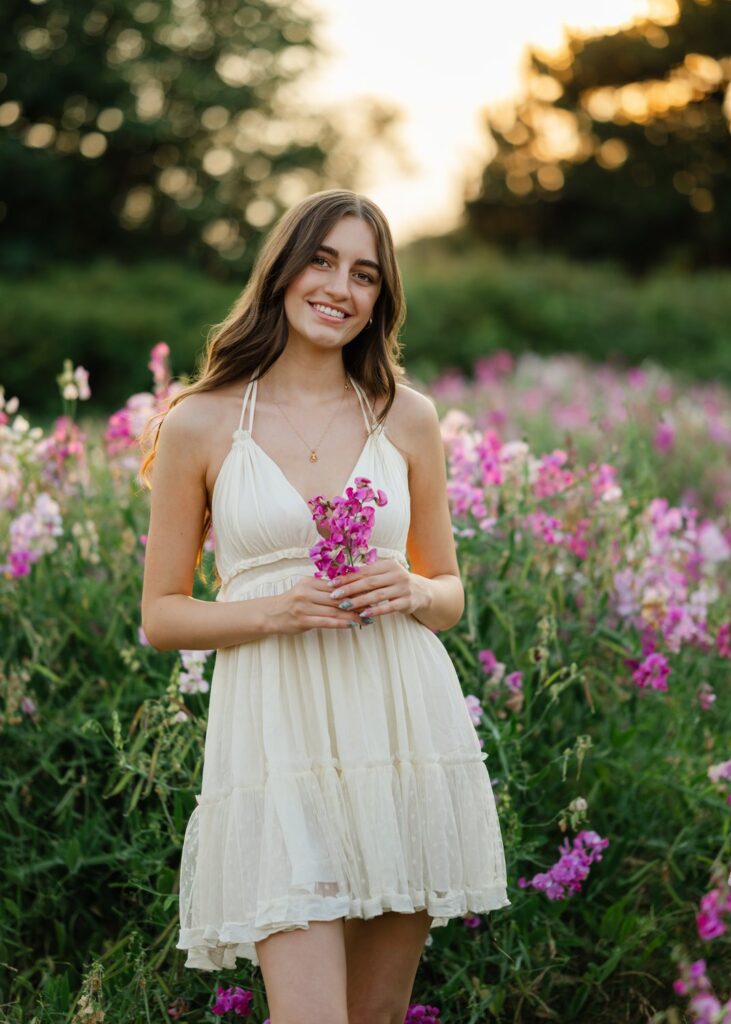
{"x":313,"y":451}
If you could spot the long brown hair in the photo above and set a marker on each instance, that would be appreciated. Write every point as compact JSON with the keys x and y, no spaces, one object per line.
{"x":255,"y":331}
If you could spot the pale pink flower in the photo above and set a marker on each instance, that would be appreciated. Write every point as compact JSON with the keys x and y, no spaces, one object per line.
{"x":475,"y":708}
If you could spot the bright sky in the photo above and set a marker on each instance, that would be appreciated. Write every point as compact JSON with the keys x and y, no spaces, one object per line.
{"x":442,"y":64}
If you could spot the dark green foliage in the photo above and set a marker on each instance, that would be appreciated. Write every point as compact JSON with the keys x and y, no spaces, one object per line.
{"x":161,"y":120}
{"x":106,"y":316}
{"x":465,"y":304}
{"x":647,"y":180}
{"x":461,"y":305}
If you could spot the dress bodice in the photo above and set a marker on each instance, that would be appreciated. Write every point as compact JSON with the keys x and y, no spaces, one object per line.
{"x":261,"y":520}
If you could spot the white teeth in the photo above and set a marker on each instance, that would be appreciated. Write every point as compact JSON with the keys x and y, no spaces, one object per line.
{"x":329,"y":311}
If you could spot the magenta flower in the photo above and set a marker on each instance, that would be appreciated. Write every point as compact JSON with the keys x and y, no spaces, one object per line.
{"x":652,"y":672}
{"x":551,"y":477}
{"x":514,"y":681}
{"x":709,"y":921}
{"x":571,"y":869}
{"x":489,"y":663}
{"x":664,"y":437}
{"x":420,"y":1014}
{"x":237,"y":999}
{"x":345,"y":524}
{"x":714,"y":905}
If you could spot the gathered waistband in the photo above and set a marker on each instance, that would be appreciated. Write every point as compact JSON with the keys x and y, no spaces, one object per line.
{"x":272,"y":568}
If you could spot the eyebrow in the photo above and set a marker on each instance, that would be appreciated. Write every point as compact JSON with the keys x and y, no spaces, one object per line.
{"x":363,"y":262}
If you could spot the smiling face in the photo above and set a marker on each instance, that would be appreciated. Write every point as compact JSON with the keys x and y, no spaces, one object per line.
{"x":341,"y":279}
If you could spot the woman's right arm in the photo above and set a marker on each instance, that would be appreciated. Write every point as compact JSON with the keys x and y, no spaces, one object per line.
{"x":172,"y":618}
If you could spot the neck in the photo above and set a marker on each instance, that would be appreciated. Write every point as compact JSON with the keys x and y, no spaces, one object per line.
{"x":306,"y":380}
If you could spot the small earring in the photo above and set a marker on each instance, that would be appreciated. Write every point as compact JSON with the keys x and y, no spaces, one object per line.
{"x":370,"y":321}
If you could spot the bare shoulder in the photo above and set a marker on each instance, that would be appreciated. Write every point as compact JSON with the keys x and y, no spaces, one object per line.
{"x":412,"y":423}
{"x":196,"y":422}
{"x":410,"y":408}
{"x":184,"y":429}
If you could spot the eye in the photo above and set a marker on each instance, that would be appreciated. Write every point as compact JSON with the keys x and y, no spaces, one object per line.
{"x":318,"y":258}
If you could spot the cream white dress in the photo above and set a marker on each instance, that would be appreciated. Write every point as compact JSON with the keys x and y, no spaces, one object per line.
{"x":342,"y":774}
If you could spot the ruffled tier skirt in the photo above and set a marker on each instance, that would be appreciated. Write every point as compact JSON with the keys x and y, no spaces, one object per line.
{"x":343,"y":777}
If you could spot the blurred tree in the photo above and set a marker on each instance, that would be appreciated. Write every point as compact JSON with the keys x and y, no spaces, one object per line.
{"x":620,"y":148}
{"x":159,"y":127}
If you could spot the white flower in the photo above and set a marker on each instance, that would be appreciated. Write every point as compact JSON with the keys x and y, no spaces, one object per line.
{"x":81,"y":379}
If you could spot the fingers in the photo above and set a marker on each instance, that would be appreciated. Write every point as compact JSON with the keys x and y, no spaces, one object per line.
{"x":350,"y":586}
{"x":363,"y":594}
{"x":370,"y":601}
{"x":319,"y":611}
{"x":337,"y":620}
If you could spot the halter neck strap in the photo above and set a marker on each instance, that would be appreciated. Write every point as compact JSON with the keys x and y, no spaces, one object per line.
{"x":370,"y":421}
{"x":250,"y":392}
{"x":250,"y":400}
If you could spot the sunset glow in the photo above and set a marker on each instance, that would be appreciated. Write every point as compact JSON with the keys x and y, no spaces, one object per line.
{"x":443,"y":73}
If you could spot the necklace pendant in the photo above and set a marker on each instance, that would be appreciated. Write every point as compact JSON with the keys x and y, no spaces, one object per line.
{"x":313,"y":456}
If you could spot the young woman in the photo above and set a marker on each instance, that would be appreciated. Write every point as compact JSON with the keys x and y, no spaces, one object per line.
{"x":345,"y":805}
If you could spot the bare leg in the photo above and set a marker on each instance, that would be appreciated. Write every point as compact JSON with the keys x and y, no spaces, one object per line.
{"x":383,"y":955}
{"x":304,"y":974}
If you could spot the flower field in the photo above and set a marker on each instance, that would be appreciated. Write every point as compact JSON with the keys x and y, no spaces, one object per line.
{"x":592,"y":516}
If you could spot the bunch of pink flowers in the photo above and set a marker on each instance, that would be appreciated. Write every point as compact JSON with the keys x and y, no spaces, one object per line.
{"x":566,"y":394}
{"x":345,"y":524}
{"x":125,"y":426}
{"x":191,"y":678}
{"x":674,"y":570}
{"x":714,"y":905}
{"x":569,"y":872}
{"x":37,"y":471}
{"x":505,"y":488}
{"x":32,"y":535}
{"x":704,"y":1005}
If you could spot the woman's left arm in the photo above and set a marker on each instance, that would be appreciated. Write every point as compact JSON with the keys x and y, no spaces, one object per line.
{"x":432,"y":592}
{"x":430,"y":543}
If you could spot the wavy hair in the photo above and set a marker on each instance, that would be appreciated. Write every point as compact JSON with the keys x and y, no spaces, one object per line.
{"x":255,"y":331}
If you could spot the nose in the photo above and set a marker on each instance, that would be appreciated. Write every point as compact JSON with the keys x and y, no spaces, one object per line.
{"x":338,"y":282}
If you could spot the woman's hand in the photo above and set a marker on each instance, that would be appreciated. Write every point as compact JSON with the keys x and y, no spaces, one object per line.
{"x":379,"y":588}
{"x":308,"y":605}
